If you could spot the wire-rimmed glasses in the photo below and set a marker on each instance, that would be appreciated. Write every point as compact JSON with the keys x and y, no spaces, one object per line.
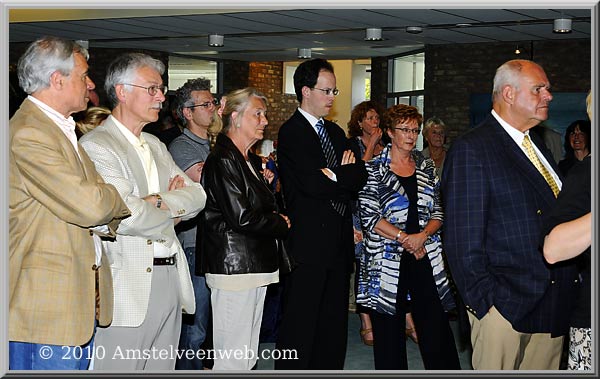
{"x":152,"y":90}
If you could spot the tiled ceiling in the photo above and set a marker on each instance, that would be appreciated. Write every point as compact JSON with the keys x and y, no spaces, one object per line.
{"x":277,"y":34}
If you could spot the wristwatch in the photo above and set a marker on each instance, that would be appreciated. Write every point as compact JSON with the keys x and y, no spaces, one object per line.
{"x":158,"y":200}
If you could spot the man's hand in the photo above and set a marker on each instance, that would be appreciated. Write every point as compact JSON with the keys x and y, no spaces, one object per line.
{"x":176,"y":183}
{"x":348,"y":157}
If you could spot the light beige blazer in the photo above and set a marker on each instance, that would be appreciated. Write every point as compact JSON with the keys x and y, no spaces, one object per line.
{"x":54,"y":197}
{"x":131,"y":254}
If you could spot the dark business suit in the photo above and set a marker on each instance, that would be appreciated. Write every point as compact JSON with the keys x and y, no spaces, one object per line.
{"x":321,"y":243}
{"x":494,"y":201}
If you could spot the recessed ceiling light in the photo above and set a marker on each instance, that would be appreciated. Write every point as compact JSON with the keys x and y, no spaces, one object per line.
{"x":414,"y":29}
{"x":463,"y":25}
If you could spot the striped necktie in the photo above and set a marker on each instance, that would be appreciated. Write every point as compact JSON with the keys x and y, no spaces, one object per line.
{"x":539,"y":165}
{"x":329,"y":153}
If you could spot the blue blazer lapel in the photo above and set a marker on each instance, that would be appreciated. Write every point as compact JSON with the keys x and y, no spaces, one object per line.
{"x":522,"y":163}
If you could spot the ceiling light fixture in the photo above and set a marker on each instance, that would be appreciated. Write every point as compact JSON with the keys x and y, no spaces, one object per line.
{"x":517,"y":50}
{"x":562,"y":25}
{"x":304,"y":53}
{"x":373,"y":34}
{"x":215,"y":40}
{"x":414,"y":29}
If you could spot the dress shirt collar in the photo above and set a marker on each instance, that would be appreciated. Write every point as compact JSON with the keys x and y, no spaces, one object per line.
{"x":515,"y":134}
{"x":131,"y":138}
{"x":311,"y":119}
{"x":66,"y":124}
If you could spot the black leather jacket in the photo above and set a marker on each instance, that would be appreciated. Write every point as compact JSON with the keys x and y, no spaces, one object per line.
{"x":238,"y":227}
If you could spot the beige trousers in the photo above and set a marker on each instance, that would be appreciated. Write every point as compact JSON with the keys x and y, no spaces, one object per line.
{"x":497,"y":346}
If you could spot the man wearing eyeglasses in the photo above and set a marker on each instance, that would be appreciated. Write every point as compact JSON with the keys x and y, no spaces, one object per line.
{"x":319,"y":175}
{"x":151,"y":278}
{"x":195,"y":107}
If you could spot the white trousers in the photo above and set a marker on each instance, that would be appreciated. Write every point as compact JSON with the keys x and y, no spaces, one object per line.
{"x":237,"y":316}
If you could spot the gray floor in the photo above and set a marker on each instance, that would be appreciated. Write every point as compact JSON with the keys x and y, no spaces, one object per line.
{"x":360,"y":356}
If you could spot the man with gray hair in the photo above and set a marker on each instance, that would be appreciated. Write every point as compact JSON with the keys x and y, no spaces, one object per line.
{"x":498,"y":182}
{"x":60,"y":282}
{"x":150,"y":273}
{"x":195,"y":107}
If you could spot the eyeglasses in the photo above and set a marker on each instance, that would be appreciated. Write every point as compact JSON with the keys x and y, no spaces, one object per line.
{"x":329,"y":91}
{"x":152,"y":90}
{"x":206,"y":104}
{"x":409,"y":131}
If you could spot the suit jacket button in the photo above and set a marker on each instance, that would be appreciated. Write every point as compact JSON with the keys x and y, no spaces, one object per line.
{"x":539,"y":212}
{"x":149,"y":269}
{"x":552,"y":281}
{"x":148,"y":242}
{"x":94,"y":267}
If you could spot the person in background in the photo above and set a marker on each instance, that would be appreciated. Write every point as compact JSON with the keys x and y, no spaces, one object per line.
{"x":365,"y":136}
{"x":151,"y":278}
{"x":319,"y":177}
{"x":195,"y":106}
{"x":567,"y":234}
{"x":238,"y":229}
{"x":93,"y":117}
{"x":434,"y":132}
{"x":59,"y":282}
{"x":401,"y":214}
{"x":577,"y":144}
{"x":498,"y":182}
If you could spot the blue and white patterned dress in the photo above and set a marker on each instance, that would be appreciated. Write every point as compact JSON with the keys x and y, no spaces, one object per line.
{"x":384,"y":197}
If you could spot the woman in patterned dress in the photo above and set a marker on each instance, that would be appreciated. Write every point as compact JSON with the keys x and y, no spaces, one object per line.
{"x":401,"y":216}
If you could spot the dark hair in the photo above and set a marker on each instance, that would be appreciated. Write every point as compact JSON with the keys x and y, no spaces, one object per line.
{"x":359,"y":113}
{"x":183,"y":95}
{"x":585,"y":127}
{"x":307,"y":74}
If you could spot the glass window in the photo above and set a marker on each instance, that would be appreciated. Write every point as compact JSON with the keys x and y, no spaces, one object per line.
{"x":181,"y":69}
{"x":406,"y":82}
{"x":408,"y":72}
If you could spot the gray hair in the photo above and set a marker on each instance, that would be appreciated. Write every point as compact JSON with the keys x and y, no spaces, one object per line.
{"x":237,"y":101}
{"x":124,"y":70}
{"x":43,"y":58}
{"x":508,"y":74}
{"x":183,"y":95}
{"x":431,"y":122}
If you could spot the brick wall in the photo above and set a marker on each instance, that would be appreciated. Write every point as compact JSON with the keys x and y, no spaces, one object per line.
{"x":267,"y":77}
{"x":454,"y":72}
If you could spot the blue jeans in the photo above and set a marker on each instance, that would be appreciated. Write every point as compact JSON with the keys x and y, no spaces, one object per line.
{"x":193,"y":327}
{"x":35,"y":356}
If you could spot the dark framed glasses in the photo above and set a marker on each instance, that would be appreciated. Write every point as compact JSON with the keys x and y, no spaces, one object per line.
{"x":206,"y":104}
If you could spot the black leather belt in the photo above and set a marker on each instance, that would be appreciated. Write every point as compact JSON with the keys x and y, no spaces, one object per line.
{"x":170,"y":261}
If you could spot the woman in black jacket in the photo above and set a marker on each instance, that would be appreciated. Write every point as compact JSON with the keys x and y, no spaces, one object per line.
{"x":238,"y":232}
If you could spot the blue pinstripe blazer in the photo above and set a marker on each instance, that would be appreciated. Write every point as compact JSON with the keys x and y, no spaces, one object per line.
{"x":494,"y":201}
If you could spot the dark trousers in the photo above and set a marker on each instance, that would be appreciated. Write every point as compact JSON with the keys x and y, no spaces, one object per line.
{"x":436,"y":341}
{"x":315,"y":318}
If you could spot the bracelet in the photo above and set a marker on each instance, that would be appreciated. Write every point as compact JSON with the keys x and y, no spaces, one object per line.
{"x":158,"y":200}
{"x":398,"y":235}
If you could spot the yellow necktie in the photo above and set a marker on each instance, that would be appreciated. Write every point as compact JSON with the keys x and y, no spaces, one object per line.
{"x":539,"y":165}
